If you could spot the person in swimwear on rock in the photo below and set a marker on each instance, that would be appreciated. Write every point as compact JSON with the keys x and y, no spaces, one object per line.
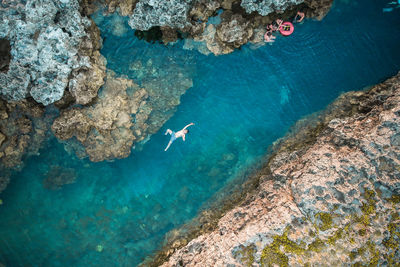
{"x":176,"y":135}
{"x":279,"y":24}
{"x":268,"y":37}
{"x":299,"y":17}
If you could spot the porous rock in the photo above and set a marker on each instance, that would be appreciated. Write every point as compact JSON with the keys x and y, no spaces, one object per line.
{"x":126,"y":7}
{"x":151,"y":13}
{"x":50,"y":42}
{"x":104,"y":128}
{"x":23,"y":128}
{"x":266,"y":7}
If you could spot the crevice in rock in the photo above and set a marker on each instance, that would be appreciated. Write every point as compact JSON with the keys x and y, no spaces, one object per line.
{"x":65,"y":30}
{"x":154,"y":35}
{"x":57,"y":17}
{"x":5,"y":55}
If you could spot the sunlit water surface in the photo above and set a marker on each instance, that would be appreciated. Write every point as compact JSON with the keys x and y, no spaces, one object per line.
{"x":118,"y":212}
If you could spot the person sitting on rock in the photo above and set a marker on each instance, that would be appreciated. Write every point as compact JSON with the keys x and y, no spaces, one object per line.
{"x":175,"y":135}
{"x":299,"y":17}
{"x":270,"y":28}
{"x":268,"y":37}
{"x":279,"y":24}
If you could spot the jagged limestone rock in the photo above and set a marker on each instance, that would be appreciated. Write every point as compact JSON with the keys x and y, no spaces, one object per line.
{"x":150,"y":13}
{"x":266,"y":7}
{"x":48,"y":40}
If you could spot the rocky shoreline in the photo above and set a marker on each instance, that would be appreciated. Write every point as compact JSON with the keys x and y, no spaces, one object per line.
{"x":239,"y":21}
{"x":329,"y":192}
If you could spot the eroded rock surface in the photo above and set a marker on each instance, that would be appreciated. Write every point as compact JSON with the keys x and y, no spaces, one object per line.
{"x":329,"y":194}
{"x":123,"y":114}
{"x":23,"y":128}
{"x":266,"y":7}
{"x":53,"y":48}
{"x":150,"y":13}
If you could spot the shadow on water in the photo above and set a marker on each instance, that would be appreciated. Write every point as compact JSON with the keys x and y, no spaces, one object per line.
{"x":116,"y":213}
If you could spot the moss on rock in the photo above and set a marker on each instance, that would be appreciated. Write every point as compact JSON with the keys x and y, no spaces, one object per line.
{"x":326,"y":220}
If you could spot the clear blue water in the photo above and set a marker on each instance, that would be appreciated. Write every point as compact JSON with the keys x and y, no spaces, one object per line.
{"x":240,"y":103}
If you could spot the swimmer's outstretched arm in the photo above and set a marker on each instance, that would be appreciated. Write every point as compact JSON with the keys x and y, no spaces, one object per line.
{"x":190,"y":124}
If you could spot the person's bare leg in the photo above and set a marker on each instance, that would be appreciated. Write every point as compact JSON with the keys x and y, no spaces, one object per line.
{"x":168,"y":132}
{"x":170,"y":142}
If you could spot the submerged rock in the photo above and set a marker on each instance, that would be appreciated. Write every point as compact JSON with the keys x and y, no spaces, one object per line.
{"x":53,"y":48}
{"x":329,"y":193}
{"x":21,"y":131}
{"x":59,"y":176}
{"x":104,"y":128}
{"x":123,"y":114}
{"x":23,"y":128}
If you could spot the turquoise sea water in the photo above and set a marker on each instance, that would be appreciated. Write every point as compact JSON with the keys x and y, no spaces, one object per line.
{"x":118,"y":212}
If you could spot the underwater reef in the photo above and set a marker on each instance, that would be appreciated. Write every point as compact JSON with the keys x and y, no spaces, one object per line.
{"x":329,"y":192}
{"x":23,"y":129}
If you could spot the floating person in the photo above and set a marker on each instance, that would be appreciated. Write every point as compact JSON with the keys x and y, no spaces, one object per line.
{"x":299,"y":17}
{"x":175,"y":135}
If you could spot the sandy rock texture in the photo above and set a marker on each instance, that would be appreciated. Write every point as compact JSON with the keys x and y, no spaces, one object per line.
{"x":23,"y":128}
{"x":239,"y":22}
{"x":329,"y":194}
{"x":47,"y":47}
{"x":122,"y":115}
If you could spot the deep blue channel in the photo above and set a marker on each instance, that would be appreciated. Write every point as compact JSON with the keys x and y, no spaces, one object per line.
{"x":118,"y":212}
